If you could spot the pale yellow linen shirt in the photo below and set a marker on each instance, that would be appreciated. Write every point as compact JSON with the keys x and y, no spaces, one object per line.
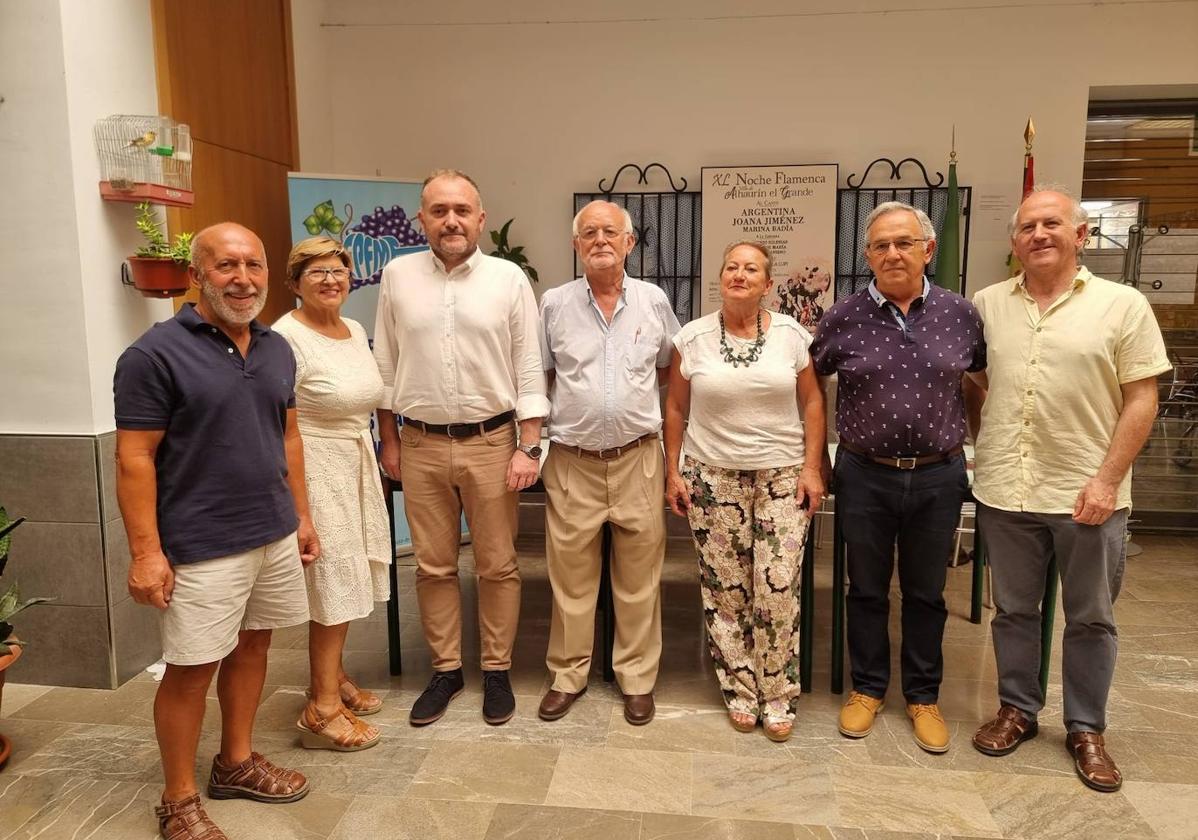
{"x":458,"y":347}
{"x":1055,"y":393}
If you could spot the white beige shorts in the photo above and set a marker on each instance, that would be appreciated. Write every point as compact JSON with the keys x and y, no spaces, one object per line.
{"x":214,"y":600}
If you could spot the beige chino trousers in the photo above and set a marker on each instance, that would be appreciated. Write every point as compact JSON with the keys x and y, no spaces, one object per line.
{"x":443,"y":476}
{"x":582,"y":494}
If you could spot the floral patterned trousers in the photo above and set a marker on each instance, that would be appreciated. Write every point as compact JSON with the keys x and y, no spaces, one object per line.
{"x":749,"y":533}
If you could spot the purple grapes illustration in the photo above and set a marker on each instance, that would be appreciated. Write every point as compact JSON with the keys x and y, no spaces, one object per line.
{"x":373,"y":240}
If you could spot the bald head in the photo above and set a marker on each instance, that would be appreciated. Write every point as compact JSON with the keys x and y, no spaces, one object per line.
{"x":204,"y":244}
{"x":602,"y":209}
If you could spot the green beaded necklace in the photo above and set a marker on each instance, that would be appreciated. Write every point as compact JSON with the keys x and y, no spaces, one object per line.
{"x":754,"y":351}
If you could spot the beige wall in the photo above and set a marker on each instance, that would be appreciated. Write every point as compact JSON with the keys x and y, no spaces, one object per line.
{"x":538,"y":103}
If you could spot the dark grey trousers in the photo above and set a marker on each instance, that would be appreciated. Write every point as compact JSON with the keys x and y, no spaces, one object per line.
{"x":1090,"y":558}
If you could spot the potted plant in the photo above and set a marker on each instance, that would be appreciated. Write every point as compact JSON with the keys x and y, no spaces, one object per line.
{"x":159,"y":267}
{"x":10,"y":605}
{"x":505,"y":251}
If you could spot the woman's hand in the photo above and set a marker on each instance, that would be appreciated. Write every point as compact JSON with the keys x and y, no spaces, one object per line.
{"x":678,"y":493}
{"x":810,"y":490}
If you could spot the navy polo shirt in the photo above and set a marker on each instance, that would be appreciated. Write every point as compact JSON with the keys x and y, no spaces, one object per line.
{"x":222,"y":468}
{"x":899,"y":377}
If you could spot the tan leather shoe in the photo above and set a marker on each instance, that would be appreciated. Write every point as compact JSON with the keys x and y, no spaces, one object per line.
{"x":931,"y":733}
{"x":857,"y":715}
{"x":555,"y":704}
{"x":638,"y":708}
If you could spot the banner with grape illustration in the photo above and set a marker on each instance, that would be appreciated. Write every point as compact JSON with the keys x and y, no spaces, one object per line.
{"x":375,"y":218}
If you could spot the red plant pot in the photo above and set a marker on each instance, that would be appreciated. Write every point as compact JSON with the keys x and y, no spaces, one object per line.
{"x":158,"y":278}
{"x":5,"y":661}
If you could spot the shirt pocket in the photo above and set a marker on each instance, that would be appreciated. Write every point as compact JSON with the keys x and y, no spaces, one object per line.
{"x":640,"y":353}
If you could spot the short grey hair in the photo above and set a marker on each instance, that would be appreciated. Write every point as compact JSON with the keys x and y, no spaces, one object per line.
{"x":623,"y":212}
{"x":1078,"y":215}
{"x":886,"y":207}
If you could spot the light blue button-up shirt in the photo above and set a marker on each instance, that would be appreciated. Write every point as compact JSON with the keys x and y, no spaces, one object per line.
{"x":605,"y":388}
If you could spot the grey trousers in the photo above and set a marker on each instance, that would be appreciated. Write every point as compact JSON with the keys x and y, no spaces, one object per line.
{"x":1091,"y":560}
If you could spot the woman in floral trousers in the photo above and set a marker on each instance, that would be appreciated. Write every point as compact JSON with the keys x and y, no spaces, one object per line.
{"x":742,"y":384}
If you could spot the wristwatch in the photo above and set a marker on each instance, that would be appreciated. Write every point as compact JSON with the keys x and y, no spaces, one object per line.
{"x":533,"y":451}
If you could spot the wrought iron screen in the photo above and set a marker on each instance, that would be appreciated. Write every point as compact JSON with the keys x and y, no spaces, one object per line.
{"x":855,"y":202}
{"x":667,"y":225}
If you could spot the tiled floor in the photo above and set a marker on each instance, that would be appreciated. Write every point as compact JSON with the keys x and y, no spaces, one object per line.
{"x":86,"y":766}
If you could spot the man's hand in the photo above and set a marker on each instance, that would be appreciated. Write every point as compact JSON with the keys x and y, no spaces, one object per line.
{"x":1096,"y":502}
{"x":151,"y":580}
{"x":678,"y":493}
{"x":389,"y":459}
{"x":309,"y":543}
{"x":522,"y":471}
{"x":810,"y":489}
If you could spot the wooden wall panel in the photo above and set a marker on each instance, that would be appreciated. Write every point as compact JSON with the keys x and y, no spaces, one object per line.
{"x":225,"y":68}
{"x":229,"y":75}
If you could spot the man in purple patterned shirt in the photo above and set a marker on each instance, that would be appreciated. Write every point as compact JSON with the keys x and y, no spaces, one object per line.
{"x":899,"y":348}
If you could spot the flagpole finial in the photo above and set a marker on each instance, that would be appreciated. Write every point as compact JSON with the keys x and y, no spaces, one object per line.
{"x":952,"y":154}
{"x":1029,"y":134}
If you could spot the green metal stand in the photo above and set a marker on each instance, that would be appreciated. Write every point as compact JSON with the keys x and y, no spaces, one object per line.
{"x":838,"y":580}
{"x":1048,"y":609}
{"x":979,"y":572}
{"x":807,"y":609}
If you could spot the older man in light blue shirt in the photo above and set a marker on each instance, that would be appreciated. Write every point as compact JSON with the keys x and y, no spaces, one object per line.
{"x":605,"y":338}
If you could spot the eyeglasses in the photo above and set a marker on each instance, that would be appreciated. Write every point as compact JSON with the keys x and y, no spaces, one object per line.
{"x":228,"y":268}
{"x":319,"y":275}
{"x":882,"y":248}
{"x":591,"y":234}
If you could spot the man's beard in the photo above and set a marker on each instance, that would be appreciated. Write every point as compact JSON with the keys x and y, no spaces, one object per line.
{"x":234,"y":317}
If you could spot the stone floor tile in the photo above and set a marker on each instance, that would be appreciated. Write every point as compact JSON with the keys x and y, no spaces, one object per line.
{"x":779,"y":789}
{"x":901,"y":799}
{"x":675,"y":827}
{"x":1058,"y":809}
{"x":531,"y":822}
{"x":616,"y":779}
{"x":491,"y":772}
{"x":1170,"y":809}
{"x":411,"y":818}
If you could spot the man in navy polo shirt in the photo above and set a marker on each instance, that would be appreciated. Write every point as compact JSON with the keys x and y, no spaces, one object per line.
{"x":210,"y":481}
{"x":900,"y":348}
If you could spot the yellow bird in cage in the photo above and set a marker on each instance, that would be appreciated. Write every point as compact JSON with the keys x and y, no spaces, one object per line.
{"x":142,"y":142}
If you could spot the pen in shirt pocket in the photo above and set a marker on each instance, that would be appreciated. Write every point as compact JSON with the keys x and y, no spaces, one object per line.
{"x":637,"y":337}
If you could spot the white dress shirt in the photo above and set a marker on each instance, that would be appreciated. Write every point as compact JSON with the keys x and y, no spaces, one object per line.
{"x":458,"y":347}
{"x":605,"y":375}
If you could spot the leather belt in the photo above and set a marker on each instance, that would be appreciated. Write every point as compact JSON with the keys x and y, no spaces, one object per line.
{"x":606,"y":454}
{"x":461,"y":430}
{"x":907,"y":463}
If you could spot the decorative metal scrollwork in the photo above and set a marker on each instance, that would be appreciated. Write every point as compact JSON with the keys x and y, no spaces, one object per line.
{"x":642,"y":177}
{"x":894,"y":172}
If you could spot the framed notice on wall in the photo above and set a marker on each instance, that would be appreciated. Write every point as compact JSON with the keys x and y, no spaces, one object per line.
{"x":789,"y":209}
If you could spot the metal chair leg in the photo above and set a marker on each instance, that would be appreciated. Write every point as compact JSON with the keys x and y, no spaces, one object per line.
{"x":979,"y":573}
{"x":1048,"y":609}
{"x":806,"y":613}
{"x":838,"y":578}
{"x":394,"y":655}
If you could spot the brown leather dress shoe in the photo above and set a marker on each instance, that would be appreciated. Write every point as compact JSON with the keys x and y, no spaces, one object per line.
{"x":1093,"y":763}
{"x":638,"y":708}
{"x":555,"y":704}
{"x":1008,"y":730}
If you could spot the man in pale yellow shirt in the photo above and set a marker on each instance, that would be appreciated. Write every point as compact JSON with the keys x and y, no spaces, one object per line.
{"x":1071,"y":378}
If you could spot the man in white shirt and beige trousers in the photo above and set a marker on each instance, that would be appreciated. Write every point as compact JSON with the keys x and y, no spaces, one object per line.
{"x":457,"y":342}
{"x":605,"y":337}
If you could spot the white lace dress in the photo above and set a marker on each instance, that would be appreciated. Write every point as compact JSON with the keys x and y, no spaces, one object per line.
{"x":337,"y":386}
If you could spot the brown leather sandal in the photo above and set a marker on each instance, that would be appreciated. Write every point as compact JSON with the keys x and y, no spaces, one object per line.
{"x":1005,"y":733}
{"x":317,"y":733}
{"x":256,"y":778}
{"x":186,"y":820}
{"x":1093,"y":763}
{"x":360,"y":701}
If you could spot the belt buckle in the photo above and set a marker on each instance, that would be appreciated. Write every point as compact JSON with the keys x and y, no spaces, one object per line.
{"x":467,"y":427}
{"x":905,"y":463}
{"x":608,"y":454}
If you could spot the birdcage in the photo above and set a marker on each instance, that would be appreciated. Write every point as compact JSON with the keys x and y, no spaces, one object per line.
{"x":144,"y":158}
